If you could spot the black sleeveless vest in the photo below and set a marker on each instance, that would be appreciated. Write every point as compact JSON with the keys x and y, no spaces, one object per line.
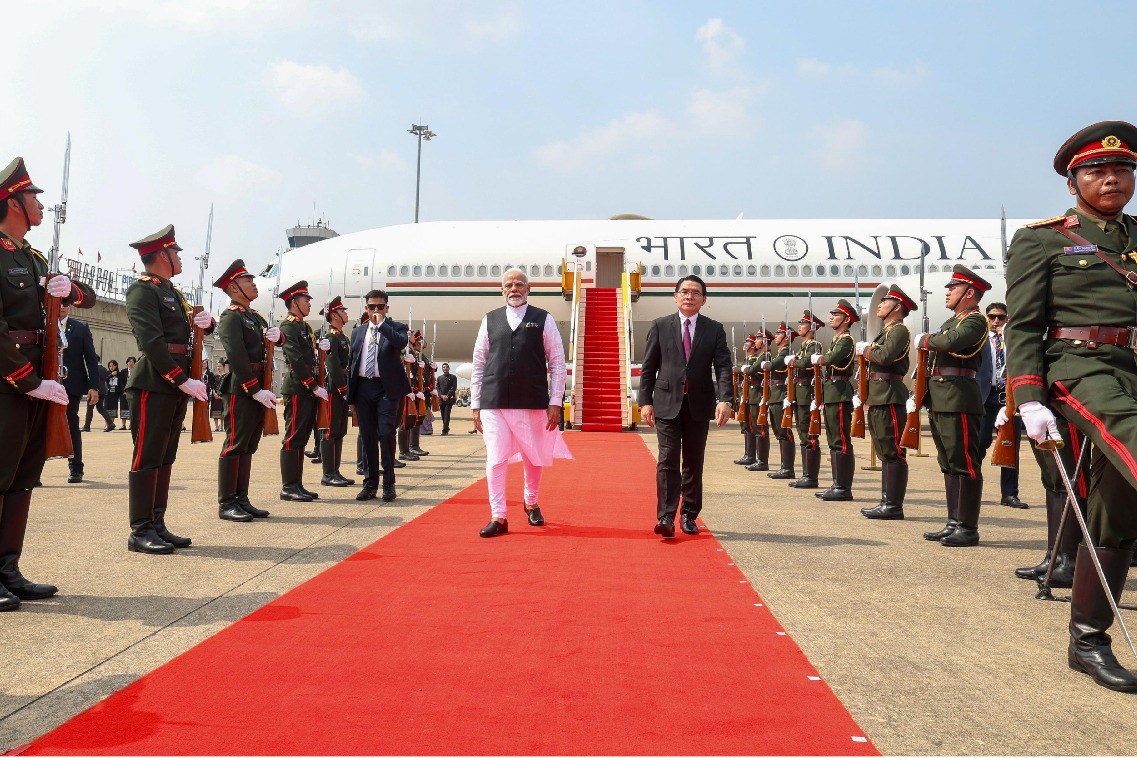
{"x":516,"y":374}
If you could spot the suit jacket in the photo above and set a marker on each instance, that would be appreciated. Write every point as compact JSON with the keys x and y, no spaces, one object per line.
{"x":390,"y":358}
{"x":447,"y":385}
{"x":664,"y":369}
{"x":81,"y":360}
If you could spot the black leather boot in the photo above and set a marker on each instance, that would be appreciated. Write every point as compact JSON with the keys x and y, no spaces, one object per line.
{"x":332,"y":476}
{"x":13,"y":527}
{"x":966,"y":533}
{"x":244,"y":472}
{"x":290,"y":476}
{"x":1066,"y":555}
{"x":951,"y":491}
{"x":747,"y":449}
{"x":339,"y":458}
{"x":811,"y":466}
{"x":413,"y":439}
{"x":1091,"y":616}
{"x":300,"y":476}
{"x":786,"y":453}
{"x":228,"y":501}
{"x":894,"y":474}
{"x":161,"y":502}
{"x":403,"y":438}
{"x":761,"y":453}
{"x":842,"y":465}
{"x":314,"y":455}
{"x":1054,"y":505}
{"x":143,"y":539}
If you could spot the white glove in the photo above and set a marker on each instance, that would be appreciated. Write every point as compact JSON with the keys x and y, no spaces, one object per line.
{"x":203,"y":320}
{"x":409,"y":359}
{"x":420,"y":396}
{"x":1039,"y":421}
{"x":790,"y":359}
{"x":861,"y":347}
{"x":919,"y":341}
{"x":50,"y":390}
{"x":325,"y":344}
{"x":1001,"y":417}
{"x":812,"y":406}
{"x":321,"y":393}
{"x":857,"y":402}
{"x":421,"y":364}
{"x":265,"y":398}
{"x":814,"y":359}
{"x":59,"y":286}
{"x":272,"y":334}
{"x":761,"y":404}
{"x":910,"y":405}
{"x":786,"y":403}
{"x":434,"y":393}
{"x":765,"y":366}
{"x":194,"y":388}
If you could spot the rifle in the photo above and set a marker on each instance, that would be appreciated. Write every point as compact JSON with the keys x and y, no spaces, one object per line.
{"x":791,"y":387}
{"x":1006,"y":452}
{"x":272,"y":423}
{"x":200,"y":431}
{"x":324,"y":407}
{"x":818,"y":392}
{"x":911,"y":437}
{"x":420,"y":402}
{"x":858,"y":428}
{"x":58,"y":436}
{"x":434,"y":404}
{"x":763,"y":409}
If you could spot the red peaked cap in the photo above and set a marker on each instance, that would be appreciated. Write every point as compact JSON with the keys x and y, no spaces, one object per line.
{"x":961,"y":274}
{"x":236,"y":269}
{"x":1103,"y":142}
{"x":300,"y":288}
{"x":896,"y":293}
{"x":809,"y":318}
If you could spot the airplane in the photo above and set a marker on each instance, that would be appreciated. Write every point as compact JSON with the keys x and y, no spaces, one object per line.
{"x":448,"y":273}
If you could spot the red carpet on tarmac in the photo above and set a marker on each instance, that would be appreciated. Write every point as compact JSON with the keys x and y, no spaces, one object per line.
{"x":588,"y":636}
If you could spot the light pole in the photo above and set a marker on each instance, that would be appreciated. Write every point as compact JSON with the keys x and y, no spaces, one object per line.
{"x":421,"y":131}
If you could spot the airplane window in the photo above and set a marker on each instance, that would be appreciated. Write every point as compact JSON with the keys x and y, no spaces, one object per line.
{"x":483,"y":270}
{"x":725,"y":270}
{"x":390,"y":271}
{"x":876,"y":271}
{"x":710,"y":271}
{"x":430,"y":270}
{"x":559,"y":270}
{"x":548,"y":270}
{"x":765,"y":271}
{"x":737,"y":270}
{"x":534,"y":270}
{"x":669,"y":271}
{"x":793,"y":270}
{"x":933,"y":268}
{"x":469,"y":271}
{"x":836,"y":270}
{"x":891,"y":270}
{"x":417,"y":271}
{"x":404,"y":271}
{"x":443,"y":271}
{"x":807,"y":270}
{"x":779,"y":270}
{"x":683,"y":270}
{"x":696,"y":270}
{"x":821,"y":271}
{"x":752,"y":271}
{"x":864,"y":269}
{"x":496,"y":270}
{"x":905,"y":271}
{"x":655,"y":270}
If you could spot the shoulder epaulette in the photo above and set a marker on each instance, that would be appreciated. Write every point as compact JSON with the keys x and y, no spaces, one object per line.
{"x":38,"y":254}
{"x":235,"y":307}
{"x":290,"y":317}
{"x":1046,"y":222}
{"x":146,"y":278}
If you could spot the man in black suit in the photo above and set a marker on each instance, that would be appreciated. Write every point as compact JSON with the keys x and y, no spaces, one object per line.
{"x":82,"y":381}
{"x":376,"y":386}
{"x":447,"y":394}
{"x":686,"y":357}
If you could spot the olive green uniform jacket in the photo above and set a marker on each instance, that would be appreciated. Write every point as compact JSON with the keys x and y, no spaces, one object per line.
{"x":888,"y":354}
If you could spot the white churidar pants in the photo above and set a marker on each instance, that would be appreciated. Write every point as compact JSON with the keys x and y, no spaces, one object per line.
{"x":512,"y":435}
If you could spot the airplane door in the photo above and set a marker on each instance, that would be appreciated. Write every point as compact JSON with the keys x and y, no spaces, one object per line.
{"x":609,"y":267}
{"x":358,"y":273}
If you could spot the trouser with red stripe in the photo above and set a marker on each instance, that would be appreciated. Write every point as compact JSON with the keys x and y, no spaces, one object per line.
{"x":299,"y":417}
{"x":158,"y":418}
{"x":338,"y":415}
{"x":838,"y":421}
{"x":959,"y":448}
{"x":801,"y":419}
{"x":886,"y":426}
{"x":1104,"y":407}
{"x":244,"y":425}
{"x":23,"y":424}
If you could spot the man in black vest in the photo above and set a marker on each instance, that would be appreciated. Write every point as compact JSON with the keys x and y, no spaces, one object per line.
{"x":514,"y":406}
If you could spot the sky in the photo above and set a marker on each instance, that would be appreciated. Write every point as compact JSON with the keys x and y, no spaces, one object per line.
{"x":283,"y":111}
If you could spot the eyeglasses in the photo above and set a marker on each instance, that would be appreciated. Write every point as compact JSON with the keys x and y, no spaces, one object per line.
{"x":997,"y":316}
{"x":376,"y":306}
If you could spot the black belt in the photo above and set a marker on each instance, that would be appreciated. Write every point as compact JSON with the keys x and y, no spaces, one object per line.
{"x":840,"y":377}
{"x":26,"y":337}
{"x":1121,"y":336}
{"x":177,"y":348}
{"x":886,"y":377}
{"x":967,"y":372}
{"x":778,"y":382}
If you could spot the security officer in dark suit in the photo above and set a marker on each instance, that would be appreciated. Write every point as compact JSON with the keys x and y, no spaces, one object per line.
{"x":1071,"y":281}
{"x":447,"y":395}
{"x":24,"y":394}
{"x":887,"y":361}
{"x":779,"y":376}
{"x":837,"y":392}
{"x":339,"y":353}
{"x":159,"y":389}
{"x":955,"y":402}
{"x":243,"y":332}
{"x":301,"y":390}
{"x":802,"y":365}
{"x":82,"y":382}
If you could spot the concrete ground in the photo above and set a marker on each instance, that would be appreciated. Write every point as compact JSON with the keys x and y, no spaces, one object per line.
{"x":933,"y":650}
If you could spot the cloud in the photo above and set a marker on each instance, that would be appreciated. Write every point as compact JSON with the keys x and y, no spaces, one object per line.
{"x":507,"y":23}
{"x":233,"y":175}
{"x":633,"y":135}
{"x":442,"y":22}
{"x":894,"y":75}
{"x":722,"y":45}
{"x":840,"y":146}
{"x":391,"y":160}
{"x":202,"y":15}
{"x":813,"y":67}
{"x":723,"y":113}
{"x":312,"y":88}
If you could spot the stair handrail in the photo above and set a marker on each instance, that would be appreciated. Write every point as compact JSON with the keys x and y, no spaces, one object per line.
{"x":629,"y":334}
{"x":574,"y":325}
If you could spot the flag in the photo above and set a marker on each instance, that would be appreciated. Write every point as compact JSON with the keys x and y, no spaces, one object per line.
{"x":100,"y":254}
{"x":80,"y":252}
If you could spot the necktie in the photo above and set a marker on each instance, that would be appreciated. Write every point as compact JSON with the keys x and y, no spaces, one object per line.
{"x":686,"y":339}
{"x":372,"y":352}
{"x":1000,"y":362}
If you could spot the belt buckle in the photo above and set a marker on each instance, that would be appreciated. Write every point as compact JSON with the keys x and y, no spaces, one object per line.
{"x":1133,"y":339}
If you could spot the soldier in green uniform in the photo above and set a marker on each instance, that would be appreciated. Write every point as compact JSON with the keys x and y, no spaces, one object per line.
{"x":802,"y":365}
{"x":887,"y":362}
{"x":744,"y":393}
{"x":243,"y":332}
{"x":339,"y":349}
{"x":159,"y":388}
{"x":1070,"y":344}
{"x":755,"y":376}
{"x":779,"y":375}
{"x":25,"y":394}
{"x":301,"y":391}
{"x":837,"y":393}
{"x":955,"y":404}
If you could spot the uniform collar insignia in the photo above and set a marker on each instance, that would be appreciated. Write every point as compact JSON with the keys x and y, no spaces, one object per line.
{"x":8,"y":244}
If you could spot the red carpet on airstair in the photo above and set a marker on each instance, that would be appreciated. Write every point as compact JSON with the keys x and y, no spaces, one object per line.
{"x":602,"y":400}
{"x":588,"y":636}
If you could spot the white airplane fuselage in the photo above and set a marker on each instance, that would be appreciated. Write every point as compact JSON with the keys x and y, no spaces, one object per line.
{"x":449,"y":273}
